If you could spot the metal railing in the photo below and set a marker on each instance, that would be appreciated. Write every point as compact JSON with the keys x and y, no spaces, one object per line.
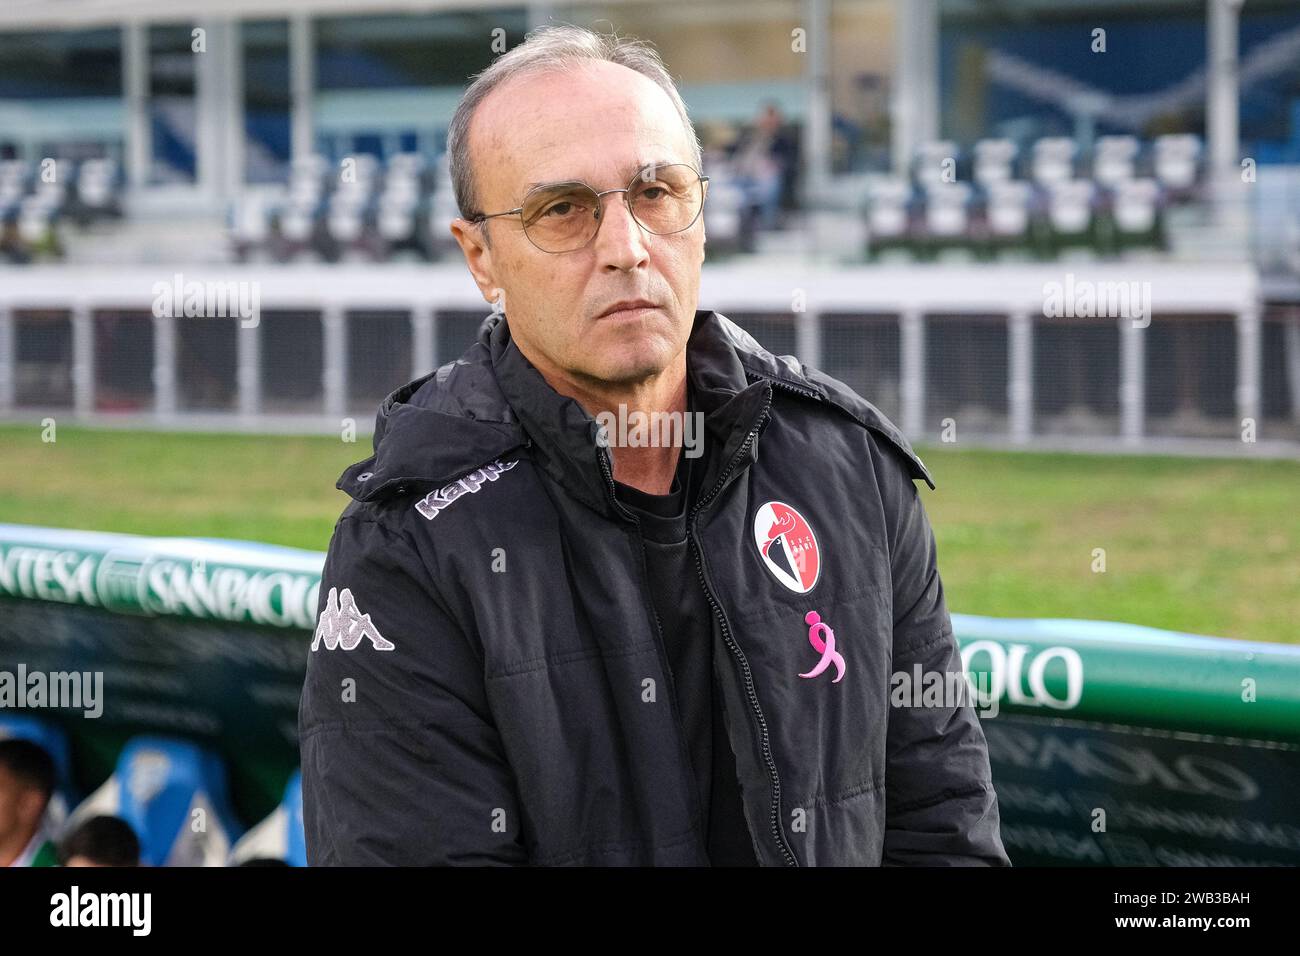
{"x":1026,"y":355}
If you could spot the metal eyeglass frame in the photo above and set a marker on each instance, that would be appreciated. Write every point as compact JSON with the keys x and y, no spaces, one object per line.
{"x":600,"y":205}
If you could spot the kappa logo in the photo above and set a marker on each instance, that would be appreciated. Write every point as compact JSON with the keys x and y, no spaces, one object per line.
{"x":343,"y":625}
{"x":435,"y":501}
{"x":788,"y":546}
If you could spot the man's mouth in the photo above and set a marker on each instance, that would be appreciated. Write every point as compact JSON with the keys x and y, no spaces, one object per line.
{"x":628,"y":309}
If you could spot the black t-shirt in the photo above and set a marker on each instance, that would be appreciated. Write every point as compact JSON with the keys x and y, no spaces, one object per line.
{"x":687,"y":623}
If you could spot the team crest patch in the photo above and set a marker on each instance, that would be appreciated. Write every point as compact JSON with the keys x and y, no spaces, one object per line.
{"x":343,"y":625}
{"x":435,"y":501}
{"x":787,"y":546}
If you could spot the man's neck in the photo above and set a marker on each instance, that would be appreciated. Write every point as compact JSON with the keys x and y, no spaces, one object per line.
{"x":649,"y":467}
{"x":646,"y":467}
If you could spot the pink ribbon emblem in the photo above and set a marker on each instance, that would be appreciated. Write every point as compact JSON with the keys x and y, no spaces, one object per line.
{"x":826,"y":648}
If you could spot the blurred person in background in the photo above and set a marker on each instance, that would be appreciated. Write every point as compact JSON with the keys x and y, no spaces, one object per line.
{"x":763,"y":159}
{"x":27,"y":780}
{"x":101,"y":841}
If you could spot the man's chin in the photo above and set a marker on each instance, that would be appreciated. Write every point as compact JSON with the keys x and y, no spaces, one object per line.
{"x":630,"y":362}
{"x":625,"y":364}
{"x":626,"y":374}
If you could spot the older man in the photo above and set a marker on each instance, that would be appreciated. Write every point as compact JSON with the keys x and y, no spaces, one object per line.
{"x":549,"y":634}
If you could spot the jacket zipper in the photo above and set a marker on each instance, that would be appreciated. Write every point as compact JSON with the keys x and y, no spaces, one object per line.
{"x":764,"y":742}
{"x":788,"y":386}
{"x":659,"y":628}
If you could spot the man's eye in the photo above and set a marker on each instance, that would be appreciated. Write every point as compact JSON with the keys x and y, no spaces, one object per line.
{"x":559,"y":210}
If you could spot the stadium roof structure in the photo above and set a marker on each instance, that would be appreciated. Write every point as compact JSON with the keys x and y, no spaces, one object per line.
{"x":76,"y":14}
{"x":73,"y":14}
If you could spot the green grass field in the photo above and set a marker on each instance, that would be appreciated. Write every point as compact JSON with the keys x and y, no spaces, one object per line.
{"x":1201,"y":545}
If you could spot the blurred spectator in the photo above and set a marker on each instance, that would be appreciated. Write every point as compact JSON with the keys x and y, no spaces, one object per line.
{"x":12,"y":248}
{"x":846,"y":143}
{"x":762,"y":159}
{"x":27,"y":779}
{"x":101,"y":841}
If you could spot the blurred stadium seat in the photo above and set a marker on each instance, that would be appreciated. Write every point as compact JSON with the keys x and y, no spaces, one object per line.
{"x":280,"y":836}
{"x":173,"y":794}
{"x":1106,"y":202}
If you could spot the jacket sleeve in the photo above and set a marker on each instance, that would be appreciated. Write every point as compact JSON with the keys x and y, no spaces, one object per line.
{"x":401,"y":763}
{"x":940,"y":807}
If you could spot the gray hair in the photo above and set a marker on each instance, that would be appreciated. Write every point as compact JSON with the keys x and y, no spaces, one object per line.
{"x":551,"y":48}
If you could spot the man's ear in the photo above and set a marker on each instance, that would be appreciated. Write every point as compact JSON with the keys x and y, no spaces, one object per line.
{"x":478,"y":257}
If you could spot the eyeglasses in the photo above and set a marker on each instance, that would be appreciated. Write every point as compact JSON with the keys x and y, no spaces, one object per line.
{"x":565,"y":217}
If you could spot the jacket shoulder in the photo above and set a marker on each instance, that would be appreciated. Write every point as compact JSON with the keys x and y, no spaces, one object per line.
{"x":873,"y":419}
{"x":377,"y":528}
{"x":789,"y":370}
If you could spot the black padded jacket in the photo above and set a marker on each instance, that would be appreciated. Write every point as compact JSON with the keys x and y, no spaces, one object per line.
{"x":487,"y":681}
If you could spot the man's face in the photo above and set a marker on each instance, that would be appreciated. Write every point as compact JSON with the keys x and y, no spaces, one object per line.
{"x":20,"y":807}
{"x":600,"y":126}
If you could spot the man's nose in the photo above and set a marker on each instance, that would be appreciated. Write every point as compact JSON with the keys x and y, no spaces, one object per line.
{"x":621,"y":240}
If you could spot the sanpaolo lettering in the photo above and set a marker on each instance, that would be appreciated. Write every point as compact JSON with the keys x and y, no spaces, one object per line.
{"x":231,"y":594}
{"x":431,"y":504}
{"x":130,"y":581}
{"x":1007,"y":670}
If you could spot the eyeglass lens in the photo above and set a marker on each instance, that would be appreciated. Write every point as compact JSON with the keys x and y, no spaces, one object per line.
{"x":563,"y":217}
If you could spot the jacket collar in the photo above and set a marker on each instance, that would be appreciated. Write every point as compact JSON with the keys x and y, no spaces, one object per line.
{"x":492,"y":400}
{"x":565,"y":436}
